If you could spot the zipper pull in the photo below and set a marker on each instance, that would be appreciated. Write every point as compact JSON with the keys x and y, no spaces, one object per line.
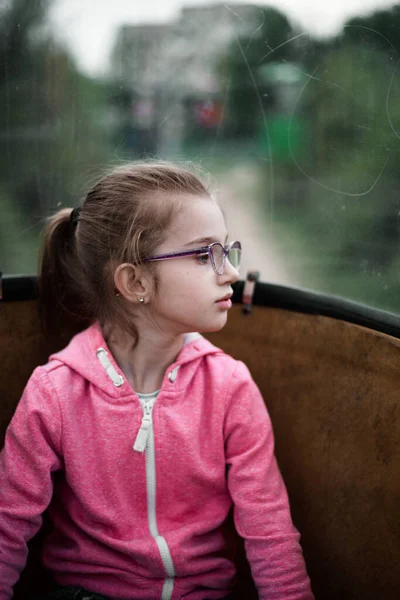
{"x":143,"y":434}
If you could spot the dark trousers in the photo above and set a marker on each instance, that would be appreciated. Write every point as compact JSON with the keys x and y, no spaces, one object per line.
{"x":71,"y":593}
{"x":76,"y":593}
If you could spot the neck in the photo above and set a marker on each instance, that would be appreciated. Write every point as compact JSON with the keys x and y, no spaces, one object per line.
{"x":144,"y":365}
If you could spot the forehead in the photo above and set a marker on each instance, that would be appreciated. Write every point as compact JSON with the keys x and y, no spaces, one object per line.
{"x":199,"y":217}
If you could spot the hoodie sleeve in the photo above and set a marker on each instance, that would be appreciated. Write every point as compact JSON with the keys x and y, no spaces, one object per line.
{"x":31,"y":453}
{"x":261,"y":506}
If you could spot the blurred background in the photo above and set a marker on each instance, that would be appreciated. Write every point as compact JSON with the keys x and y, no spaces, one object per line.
{"x":293,"y":107}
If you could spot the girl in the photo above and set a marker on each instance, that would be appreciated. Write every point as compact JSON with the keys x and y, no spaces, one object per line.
{"x":140,"y":435}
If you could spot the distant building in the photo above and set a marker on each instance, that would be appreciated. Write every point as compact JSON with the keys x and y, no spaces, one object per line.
{"x":172,"y":71}
{"x":181,"y":55}
{"x":138,"y":48}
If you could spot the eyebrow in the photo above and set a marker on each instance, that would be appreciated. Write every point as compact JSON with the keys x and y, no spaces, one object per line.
{"x":206,"y":241}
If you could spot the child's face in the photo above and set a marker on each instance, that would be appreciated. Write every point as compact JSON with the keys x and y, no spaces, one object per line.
{"x":188,"y":287}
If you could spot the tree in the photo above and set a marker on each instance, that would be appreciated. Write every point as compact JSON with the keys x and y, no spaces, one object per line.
{"x":267,"y":40}
{"x":52,"y":124}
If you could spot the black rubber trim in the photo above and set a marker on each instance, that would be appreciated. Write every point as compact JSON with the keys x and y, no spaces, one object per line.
{"x":306,"y":301}
{"x":18,"y":288}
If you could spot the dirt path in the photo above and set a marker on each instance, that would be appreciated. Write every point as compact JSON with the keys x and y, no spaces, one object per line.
{"x":247,"y":223}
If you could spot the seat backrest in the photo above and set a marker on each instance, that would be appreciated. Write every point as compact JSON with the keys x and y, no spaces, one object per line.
{"x":331,"y":390}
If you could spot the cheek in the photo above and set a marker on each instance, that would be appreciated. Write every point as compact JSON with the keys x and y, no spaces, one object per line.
{"x":182,"y":284}
{"x":177,"y":273}
{"x":172,"y":283}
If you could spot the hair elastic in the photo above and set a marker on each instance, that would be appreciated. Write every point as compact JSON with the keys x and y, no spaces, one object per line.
{"x":74,"y":216}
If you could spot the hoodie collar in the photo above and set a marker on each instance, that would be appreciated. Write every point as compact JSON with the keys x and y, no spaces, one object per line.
{"x":89,"y":355}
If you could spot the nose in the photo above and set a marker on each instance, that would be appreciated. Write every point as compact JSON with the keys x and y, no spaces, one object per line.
{"x":230,"y":274}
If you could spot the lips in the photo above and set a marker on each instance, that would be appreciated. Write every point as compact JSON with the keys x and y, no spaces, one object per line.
{"x":226,"y":297}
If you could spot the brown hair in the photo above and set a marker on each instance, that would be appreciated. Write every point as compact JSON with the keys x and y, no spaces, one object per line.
{"x":123,"y":218}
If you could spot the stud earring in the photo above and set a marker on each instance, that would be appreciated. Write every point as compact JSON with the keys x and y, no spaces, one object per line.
{"x":141,"y":300}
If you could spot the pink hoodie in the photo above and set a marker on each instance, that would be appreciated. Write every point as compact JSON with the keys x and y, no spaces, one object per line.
{"x":134,"y":525}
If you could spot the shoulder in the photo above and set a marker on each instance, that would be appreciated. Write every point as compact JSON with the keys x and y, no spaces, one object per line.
{"x":54,"y":372}
{"x":217,"y":357}
{"x":233,"y":378}
{"x":47,"y":383}
{"x":231,"y":370}
{"x":39,"y":401}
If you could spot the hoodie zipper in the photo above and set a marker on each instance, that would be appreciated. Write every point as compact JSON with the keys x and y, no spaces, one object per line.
{"x":145,"y":442}
{"x":145,"y":426}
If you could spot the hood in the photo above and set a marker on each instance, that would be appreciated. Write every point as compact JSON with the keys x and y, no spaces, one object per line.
{"x":88,"y":354}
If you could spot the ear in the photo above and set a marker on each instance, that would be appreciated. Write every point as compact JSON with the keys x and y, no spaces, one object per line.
{"x":132,"y":283}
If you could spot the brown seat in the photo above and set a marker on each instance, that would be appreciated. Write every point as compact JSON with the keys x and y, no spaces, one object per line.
{"x":331,"y":390}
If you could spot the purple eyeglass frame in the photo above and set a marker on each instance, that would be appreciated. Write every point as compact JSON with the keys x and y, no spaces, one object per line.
{"x":198,"y":251}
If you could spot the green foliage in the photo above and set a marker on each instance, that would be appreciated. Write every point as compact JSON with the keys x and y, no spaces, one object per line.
{"x":241,"y":70}
{"x":334,"y":184}
{"x":53,"y":124}
{"x":353,"y":105}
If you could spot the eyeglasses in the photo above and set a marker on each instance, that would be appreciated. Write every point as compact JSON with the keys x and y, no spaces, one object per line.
{"x":216,"y":253}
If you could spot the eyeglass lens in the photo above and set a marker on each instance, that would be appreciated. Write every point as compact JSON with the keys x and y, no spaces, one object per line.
{"x":234,"y":257}
{"x":218,"y":257}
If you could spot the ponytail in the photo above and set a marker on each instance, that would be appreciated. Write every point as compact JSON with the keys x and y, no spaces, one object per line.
{"x":60,"y":305}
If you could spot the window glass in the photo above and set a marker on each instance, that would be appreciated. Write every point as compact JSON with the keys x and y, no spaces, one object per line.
{"x":293,"y":107}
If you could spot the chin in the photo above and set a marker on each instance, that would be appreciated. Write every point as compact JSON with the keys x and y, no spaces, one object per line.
{"x":217,"y":326}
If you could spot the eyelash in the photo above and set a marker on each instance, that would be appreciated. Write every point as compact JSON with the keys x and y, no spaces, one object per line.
{"x":201,"y":257}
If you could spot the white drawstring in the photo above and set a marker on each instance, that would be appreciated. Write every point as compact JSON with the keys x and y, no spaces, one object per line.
{"x":173,"y":374}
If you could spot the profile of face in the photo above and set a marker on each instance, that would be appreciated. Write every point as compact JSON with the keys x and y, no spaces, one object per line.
{"x":188,"y":288}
